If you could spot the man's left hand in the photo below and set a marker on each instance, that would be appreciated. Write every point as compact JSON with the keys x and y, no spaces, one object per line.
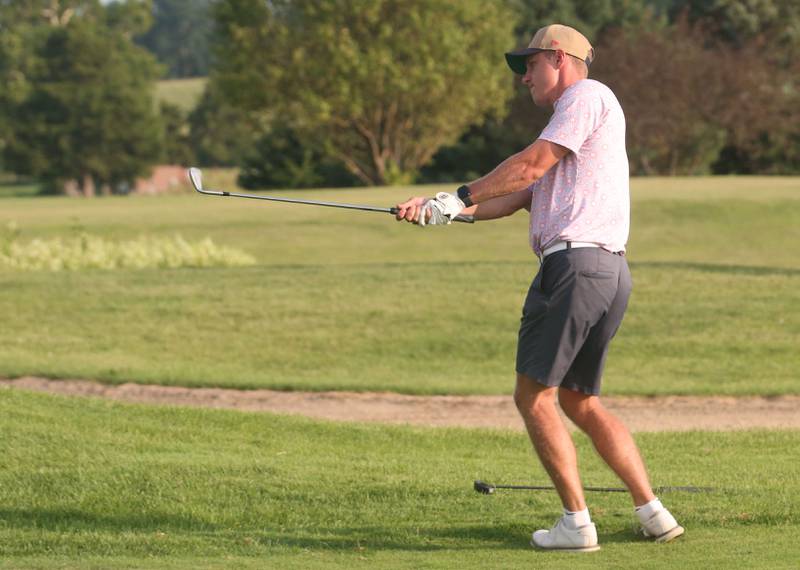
{"x":441,"y":210}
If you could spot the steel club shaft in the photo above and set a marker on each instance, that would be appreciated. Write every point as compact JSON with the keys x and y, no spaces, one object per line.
{"x":488,"y":488}
{"x":196,"y":178}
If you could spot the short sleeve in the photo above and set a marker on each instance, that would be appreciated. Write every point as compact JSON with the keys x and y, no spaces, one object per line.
{"x":574,"y":120}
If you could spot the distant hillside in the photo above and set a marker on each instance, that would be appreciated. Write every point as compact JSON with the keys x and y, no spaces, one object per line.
{"x":185,"y":93}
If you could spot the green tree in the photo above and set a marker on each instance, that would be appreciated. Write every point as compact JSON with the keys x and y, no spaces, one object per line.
{"x":179,"y":36}
{"x":590,"y":17}
{"x":23,"y":28}
{"x":177,"y":147}
{"x":773,"y":24}
{"x":278,"y":159}
{"x":221,"y":132}
{"x":89,"y":118}
{"x":384,"y":83}
{"x":484,"y":146}
{"x":742,"y":51}
{"x":126,"y":17}
{"x":266,"y":148}
{"x":693,"y":99}
{"x":770,"y":29}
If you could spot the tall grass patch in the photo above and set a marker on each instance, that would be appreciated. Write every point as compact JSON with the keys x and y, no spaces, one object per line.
{"x":87,"y":251}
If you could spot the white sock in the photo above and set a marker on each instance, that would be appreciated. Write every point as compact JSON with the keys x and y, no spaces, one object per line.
{"x":576,"y":519}
{"x":648,"y":510}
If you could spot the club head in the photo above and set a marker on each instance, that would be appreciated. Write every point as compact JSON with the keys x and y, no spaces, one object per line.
{"x":483,"y":487}
{"x":196,"y":178}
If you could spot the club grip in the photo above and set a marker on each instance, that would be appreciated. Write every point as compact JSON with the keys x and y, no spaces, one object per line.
{"x":463,"y":219}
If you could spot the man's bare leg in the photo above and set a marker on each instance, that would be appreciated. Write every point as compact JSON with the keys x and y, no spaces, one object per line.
{"x":611,"y":439}
{"x":551,"y":439}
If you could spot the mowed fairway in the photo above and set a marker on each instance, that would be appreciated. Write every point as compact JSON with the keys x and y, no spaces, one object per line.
{"x":92,"y":484}
{"x":353,"y":300}
{"x":342,"y":300}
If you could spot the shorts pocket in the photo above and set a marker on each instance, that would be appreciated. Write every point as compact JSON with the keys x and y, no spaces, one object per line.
{"x":535,"y":306}
{"x":598,"y":274}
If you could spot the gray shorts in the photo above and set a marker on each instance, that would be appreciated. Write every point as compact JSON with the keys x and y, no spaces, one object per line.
{"x":573,"y":309}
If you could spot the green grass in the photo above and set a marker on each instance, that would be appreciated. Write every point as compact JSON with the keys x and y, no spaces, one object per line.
{"x":9,"y":189}
{"x":343,"y":300}
{"x":184,"y":93}
{"x":87,"y":483}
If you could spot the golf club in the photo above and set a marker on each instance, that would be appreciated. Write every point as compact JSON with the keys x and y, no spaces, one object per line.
{"x":488,"y":488}
{"x":196,"y":178}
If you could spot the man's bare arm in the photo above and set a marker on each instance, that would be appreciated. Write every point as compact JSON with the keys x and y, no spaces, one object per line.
{"x":518,"y":171}
{"x":514,"y":175}
{"x":500,"y":207}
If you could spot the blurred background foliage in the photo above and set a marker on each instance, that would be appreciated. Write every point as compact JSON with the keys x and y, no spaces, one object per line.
{"x":309,"y":93}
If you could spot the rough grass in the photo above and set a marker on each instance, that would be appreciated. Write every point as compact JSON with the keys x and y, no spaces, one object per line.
{"x":87,"y":483}
{"x":353,"y":300}
{"x":86,"y":251}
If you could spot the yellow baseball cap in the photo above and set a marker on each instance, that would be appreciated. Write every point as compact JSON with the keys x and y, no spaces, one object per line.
{"x":551,"y":38}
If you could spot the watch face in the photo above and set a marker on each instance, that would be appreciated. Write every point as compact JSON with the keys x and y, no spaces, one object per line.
{"x":464,"y":195}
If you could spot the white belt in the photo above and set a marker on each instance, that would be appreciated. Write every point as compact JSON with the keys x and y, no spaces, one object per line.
{"x":562,"y":245}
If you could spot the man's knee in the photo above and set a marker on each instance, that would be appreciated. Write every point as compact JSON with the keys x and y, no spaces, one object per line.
{"x":530,"y":395}
{"x":578,"y":407}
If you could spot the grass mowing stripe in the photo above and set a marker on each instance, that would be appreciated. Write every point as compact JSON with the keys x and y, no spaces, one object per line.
{"x":119,"y":483}
{"x":689,"y":330}
{"x":724,"y":221}
{"x":344,"y":300}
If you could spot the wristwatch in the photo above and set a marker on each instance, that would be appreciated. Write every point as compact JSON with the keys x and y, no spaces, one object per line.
{"x":465,"y":195}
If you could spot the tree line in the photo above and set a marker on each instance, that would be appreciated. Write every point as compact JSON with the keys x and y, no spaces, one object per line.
{"x":305,"y":93}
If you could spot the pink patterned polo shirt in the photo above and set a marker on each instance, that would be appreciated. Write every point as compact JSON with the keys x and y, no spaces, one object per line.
{"x":585,"y":196}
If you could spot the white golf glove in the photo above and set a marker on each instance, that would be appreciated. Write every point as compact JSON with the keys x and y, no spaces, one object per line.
{"x":442,"y":210}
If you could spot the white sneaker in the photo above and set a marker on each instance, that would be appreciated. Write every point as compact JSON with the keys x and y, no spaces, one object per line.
{"x":581,"y":539}
{"x":662,"y":527}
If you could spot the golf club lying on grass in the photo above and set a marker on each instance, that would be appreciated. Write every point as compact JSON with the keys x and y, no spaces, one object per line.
{"x":488,"y":488}
{"x":196,"y":178}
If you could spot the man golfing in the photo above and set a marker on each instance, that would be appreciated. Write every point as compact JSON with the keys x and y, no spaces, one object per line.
{"x":574,"y":182}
